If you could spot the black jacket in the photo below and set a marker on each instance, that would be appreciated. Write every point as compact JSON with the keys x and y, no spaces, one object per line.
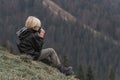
{"x":29,"y":42}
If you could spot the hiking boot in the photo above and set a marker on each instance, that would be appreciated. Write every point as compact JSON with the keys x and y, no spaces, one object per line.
{"x":65,"y":70}
{"x":69,"y":72}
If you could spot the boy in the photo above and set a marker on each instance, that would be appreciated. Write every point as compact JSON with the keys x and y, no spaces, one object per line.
{"x":31,"y":39}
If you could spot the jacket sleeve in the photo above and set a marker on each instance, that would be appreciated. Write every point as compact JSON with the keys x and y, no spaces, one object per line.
{"x":39,"y":41}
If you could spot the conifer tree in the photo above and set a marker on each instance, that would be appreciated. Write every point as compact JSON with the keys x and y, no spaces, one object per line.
{"x":90,"y":75}
{"x":80,"y":73}
{"x":4,"y":43}
{"x":65,"y":60}
{"x":111,"y":73}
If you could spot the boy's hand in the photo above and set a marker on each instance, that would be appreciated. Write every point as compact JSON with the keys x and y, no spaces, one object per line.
{"x":42,"y":33}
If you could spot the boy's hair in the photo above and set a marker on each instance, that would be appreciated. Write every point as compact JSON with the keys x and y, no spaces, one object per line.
{"x":32,"y":22}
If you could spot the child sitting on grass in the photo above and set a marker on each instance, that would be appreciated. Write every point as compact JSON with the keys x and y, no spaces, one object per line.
{"x":31,"y":40}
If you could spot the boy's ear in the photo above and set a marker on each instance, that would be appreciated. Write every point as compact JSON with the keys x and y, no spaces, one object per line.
{"x":39,"y":30}
{"x":35,"y":28}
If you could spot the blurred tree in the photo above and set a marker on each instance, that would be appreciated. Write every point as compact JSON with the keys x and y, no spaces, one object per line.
{"x":80,"y":73}
{"x":65,"y":60}
{"x":90,"y":75}
{"x":4,"y":43}
{"x":111,"y":73}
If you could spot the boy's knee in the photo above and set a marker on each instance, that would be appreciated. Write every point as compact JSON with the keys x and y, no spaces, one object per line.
{"x":52,"y":50}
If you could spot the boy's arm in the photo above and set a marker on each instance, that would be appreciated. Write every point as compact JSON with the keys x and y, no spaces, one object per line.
{"x":39,"y":38}
{"x":39,"y":41}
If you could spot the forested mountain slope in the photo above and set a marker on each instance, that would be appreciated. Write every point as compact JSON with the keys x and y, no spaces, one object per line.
{"x":102,"y":15}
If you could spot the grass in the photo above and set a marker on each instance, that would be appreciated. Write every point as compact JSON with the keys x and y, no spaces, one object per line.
{"x":21,"y":67}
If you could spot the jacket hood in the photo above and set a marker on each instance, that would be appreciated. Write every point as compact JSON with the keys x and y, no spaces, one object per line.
{"x":24,"y":32}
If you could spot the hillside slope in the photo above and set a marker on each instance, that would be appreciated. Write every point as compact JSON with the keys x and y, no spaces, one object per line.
{"x":14,"y":67}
